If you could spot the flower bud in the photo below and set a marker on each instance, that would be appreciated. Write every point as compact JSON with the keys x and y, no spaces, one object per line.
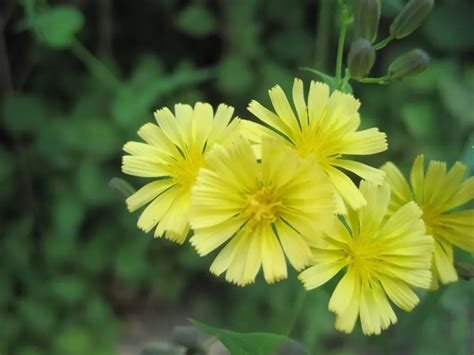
{"x":410,"y":18}
{"x":409,"y":64}
{"x":361,"y":58}
{"x":366,"y":20}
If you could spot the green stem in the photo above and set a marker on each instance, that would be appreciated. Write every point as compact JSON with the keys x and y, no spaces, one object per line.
{"x":345,"y":80}
{"x":381,"y":80}
{"x":299,"y":303}
{"x":342,"y":37}
{"x":322,"y":35}
{"x":383,"y":43}
{"x":95,"y":66}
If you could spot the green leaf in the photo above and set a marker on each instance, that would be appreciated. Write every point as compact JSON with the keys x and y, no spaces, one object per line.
{"x":418,"y":117}
{"x":330,"y":80}
{"x":24,"y":113}
{"x":137,"y":98}
{"x":250,"y":343}
{"x":196,"y":21}
{"x":92,"y":183}
{"x":234,"y":76}
{"x":69,"y":289}
{"x":103,"y":140}
{"x":74,"y":340}
{"x":36,"y":315}
{"x":449,"y":26}
{"x":159,"y":348}
{"x":57,"y":26}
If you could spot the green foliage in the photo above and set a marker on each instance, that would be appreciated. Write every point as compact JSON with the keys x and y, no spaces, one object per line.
{"x":74,"y":266}
{"x":250,"y":343}
{"x":57,"y":26}
{"x":196,"y":20}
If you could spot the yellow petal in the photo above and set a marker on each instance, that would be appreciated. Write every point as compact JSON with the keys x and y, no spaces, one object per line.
{"x":206,"y":240}
{"x":400,"y":293}
{"x":283,"y":108}
{"x":451,"y":185}
{"x":155,"y":211}
{"x":184,"y":121}
{"x":369,"y":317}
{"x":364,"y":171}
{"x":463,"y":195}
{"x":434,"y":181}
{"x":443,"y":262}
{"x":299,"y":101}
{"x":174,"y":224}
{"x":417,"y":179}
{"x":385,"y":311}
{"x":153,"y":135}
{"x":404,"y":221}
{"x":401,"y":193}
{"x":147,"y":193}
{"x":142,"y":149}
{"x":246,"y":261}
{"x":144,"y":167}
{"x":319,"y":274}
{"x":273,"y":259}
{"x":457,"y":228}
{"x":269,"y":118}
{"x":345,"y":321}
{"x":254,"y":131}
{"x":318,"y":99}
{"x":343,"y":293}
{"x":368,"y":141}
{"x":226,"y":255}
{"x":344,"y":185}
{"x":167,"y":123}
{"x":221,"y":123}
{"x":203,"y":116}
{"x":371,"y":215}
{"x":295,"y":247}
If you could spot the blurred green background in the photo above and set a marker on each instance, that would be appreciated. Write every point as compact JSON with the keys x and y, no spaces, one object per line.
{"x":79,"y":77}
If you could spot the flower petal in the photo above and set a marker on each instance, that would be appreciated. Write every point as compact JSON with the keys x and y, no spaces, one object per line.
{"x":273,"y":259}
{"x":319,"y":274}
{"x":295,"y":247}
{"x":147,"y":193}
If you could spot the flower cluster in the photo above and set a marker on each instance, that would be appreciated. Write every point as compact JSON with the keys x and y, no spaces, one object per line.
{"x":277,"y":190}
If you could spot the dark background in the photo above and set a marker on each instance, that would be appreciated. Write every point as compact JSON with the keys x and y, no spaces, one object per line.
{"x":77,"y":276}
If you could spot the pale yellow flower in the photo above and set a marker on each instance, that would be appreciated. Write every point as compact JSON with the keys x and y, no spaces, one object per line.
{"x":172,"y":154}
{"x":326,"y":128}
{"x":263,"y":211}
{"x":438,"y":193}
{"x":383,"y":257}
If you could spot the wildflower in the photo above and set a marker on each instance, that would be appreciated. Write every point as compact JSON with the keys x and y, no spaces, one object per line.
{"x":262,"y":210}
{"x":325,"y":128}
{"x":383,"y":257}
{"x":437,"y":192}
{"x":172,"y":153}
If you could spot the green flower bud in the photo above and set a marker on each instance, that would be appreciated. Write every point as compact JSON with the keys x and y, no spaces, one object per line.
{"x":361,"y":58}
{"x":410,"y":18}
{"x":409,"y":64}
{"x":366,"y":19}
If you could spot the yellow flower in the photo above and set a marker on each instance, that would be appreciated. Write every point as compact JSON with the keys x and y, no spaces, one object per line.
{"x":173,"y":153}
{"x":384,"y":257}
{"x":262,"y":210}
{"x":326,"y":128}
{"x":437,"y":193}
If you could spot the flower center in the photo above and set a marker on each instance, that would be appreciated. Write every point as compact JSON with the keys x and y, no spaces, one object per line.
{"x":363,"y":256}
{"x":263,"y":206}
{"x":186,"y":169}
